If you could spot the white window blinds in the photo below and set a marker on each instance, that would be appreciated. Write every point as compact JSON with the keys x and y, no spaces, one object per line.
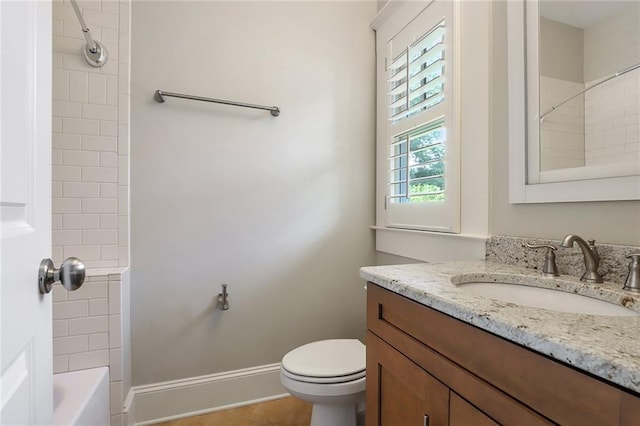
{"x":416,"y":80}
{"x":422,"y":154}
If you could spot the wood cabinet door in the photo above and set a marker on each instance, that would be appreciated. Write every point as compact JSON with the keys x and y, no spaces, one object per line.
{"x":464,"y":414}
{"x":399,"y":393}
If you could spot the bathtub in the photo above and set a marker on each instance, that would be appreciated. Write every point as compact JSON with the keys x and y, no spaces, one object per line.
{"x":81,"y":398}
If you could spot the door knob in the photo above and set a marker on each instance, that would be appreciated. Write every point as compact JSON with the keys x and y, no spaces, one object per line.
{"x":71,"y":274}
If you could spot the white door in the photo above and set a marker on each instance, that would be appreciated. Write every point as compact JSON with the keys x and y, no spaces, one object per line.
{"x":26,"y":393}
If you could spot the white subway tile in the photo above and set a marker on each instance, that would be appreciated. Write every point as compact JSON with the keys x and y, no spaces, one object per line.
{"x":90,"y":4}
{"x":98,"y":307}
{"x":70,"y":345}
{"x":123,"y":230}
{"x":66,"y":141}
{"x":124,"y":78}
{"x":108,"y":190}
{"x":81,"y":158}
{"x":123,"y":200}
{"x":115,"y":397}
{"x":66,"y":205}
{"x":81,"y":221}
{"x":115,"y":331}
{"x":97,"y":89}
{"x":118,"y":420}
{"x":60,"y":84}
{"x":86,"y":253}
{"x":91,"y":290}
{"x":80,"y":189}
{"x":125,"y":15}
{"x":123,"y":139}
{"x":60,"y":364}
{"x":100,"y":112}
{"x":111,"y":67}
{"x":56,"y":60}
{"x":78,"y":85}
{"x":59,"y":294}
{"x":123,"y":256}
{"x":108,"y":159}
{"x":100,"y":174}
{"x":102,"y":264}
{"x":57,"y":27}
{"x":115,"y":364}
{"x":99,"y":205}
{"x":112,"y":90}
{"x":56,"y":189}
{"x":71,"y":309}
{"x":109,"y":35}
{"x":63,"y":44}
{"x":109,"y":221}
{"x":57,"y":254}
{"x":56,"y":222}
{"x":123,"y":109}
{"x":88,"y":325}
{"x":123,"y":170}
{"x":124,"y":47}
{"x":108,"y":128}
{"x":81,"y":126}
{"x":99,"y":341}
{"x":56,"y":124}
{"x":100,"y":236}
{"x":67,"y":237}
{"x":102,"y":19}
{"x":56,"y":157}
{"x":115,"y":296}
{"x":66,"y":109}
{"x":76,"y":62}
{"x":60,"y":328}
{"x":84,"y":360}
{"x":66,"y":173}
{"x":100,"y":143}
{"x":109,"y":252}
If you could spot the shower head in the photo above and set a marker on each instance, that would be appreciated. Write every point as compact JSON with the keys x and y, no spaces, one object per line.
{"x":94,"y":52}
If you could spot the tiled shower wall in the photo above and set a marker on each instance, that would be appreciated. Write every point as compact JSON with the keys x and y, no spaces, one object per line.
{"x":91,"y":329}
{"x":91,"y":136}
{"x":90,"y":192}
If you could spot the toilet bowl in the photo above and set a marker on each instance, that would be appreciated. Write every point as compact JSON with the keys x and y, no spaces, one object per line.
{"x":330,"y":374}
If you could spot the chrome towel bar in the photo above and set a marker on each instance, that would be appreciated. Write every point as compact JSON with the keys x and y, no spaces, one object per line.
{"x":159,"y":96}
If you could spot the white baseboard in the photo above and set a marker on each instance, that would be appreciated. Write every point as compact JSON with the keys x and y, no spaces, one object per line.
{"x":158,"y":402}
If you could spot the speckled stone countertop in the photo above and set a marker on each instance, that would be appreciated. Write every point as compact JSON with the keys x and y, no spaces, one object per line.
{"x":606,"y":346}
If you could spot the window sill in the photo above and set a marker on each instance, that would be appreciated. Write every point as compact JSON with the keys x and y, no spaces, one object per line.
{"x":430,"y":246}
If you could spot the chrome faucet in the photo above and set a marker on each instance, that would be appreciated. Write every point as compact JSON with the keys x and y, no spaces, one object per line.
{"x":591,"y":257}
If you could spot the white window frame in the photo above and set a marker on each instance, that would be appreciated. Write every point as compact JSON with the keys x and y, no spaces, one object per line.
{"x":438,"y":216}
{"x":472,"y":50}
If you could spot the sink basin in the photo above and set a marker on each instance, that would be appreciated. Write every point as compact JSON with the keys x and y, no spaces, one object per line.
{"x":538,"y":297}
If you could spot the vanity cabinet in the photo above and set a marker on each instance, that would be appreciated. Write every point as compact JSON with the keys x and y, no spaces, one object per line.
{"x":427,"y":368}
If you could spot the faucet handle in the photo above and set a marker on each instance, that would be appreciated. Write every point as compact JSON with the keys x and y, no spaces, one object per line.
{"x":632,"y":283}
{"x":549,"y":268}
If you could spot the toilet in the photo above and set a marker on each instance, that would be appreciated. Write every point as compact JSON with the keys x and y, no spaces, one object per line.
{"x":330,"y":374}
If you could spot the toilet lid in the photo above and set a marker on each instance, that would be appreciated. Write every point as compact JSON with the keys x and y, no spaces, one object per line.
{"x":327,"y":358}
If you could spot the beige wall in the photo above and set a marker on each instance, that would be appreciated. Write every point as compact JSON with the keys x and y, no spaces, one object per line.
{"x":611,"y":222}
{"x":278,"y":208}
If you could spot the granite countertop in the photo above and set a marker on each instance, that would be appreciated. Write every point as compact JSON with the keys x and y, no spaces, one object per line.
{"x":605,"y":346}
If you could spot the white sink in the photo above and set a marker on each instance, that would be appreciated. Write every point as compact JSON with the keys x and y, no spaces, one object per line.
{"x":538,"y":297}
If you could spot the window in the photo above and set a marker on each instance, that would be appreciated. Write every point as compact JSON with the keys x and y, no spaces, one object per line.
{"x":420,"y":134}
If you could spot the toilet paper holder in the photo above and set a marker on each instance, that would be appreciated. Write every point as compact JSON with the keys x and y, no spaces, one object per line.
{"x":223,"y":298}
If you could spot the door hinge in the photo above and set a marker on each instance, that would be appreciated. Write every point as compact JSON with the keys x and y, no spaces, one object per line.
{"x":385,"y":64}
{"x":426,"y":420}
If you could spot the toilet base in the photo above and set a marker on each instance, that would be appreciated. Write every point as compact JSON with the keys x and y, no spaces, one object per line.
{"x":334,"y":415}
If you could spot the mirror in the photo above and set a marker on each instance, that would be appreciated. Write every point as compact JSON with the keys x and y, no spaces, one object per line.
{"x":574,"y":100}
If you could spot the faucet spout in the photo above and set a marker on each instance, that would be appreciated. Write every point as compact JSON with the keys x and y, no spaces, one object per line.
{"x":591,"y":257}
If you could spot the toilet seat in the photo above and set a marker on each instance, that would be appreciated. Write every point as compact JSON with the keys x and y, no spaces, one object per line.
{"x":326,"y":361}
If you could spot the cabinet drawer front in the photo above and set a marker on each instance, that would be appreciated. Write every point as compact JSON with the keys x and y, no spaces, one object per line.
{"x":561,"y":393}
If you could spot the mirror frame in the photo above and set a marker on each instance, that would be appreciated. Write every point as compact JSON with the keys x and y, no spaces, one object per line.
{"x":520,"y":191}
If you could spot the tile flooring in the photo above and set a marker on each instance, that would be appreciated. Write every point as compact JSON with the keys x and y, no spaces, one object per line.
{"x":280,"y":412}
